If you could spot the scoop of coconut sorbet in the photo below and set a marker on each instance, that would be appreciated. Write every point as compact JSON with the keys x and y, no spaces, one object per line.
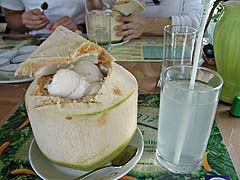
{"x":67,"y":83}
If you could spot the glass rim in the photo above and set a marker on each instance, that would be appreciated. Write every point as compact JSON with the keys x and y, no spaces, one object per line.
{"x":219,"y":86}
{"x":169,"y":31}
{"x":99,"y":13}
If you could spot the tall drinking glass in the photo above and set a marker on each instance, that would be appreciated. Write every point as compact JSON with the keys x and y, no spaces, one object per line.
{"x":98,"y":24}
{"x":186,"y":116}
{"x":178,"y":46}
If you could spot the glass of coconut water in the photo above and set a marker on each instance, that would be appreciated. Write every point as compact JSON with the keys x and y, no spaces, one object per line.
{"x":186,"y":116}
{"x":98,"y":24}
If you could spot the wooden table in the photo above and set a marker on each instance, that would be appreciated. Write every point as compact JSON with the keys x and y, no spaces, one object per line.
{"x":147,"y":74}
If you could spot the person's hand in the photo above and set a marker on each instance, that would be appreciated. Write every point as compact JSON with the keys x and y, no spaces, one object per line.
{"x":64,"y":21}
{"x":34,"y":19}
{"x":133,"y":26}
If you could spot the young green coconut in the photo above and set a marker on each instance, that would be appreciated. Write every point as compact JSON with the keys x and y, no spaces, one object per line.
{"x":82,"y":116}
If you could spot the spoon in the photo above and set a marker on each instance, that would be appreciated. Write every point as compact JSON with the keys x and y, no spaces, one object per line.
{"x":44,"y":6}
{"x":110,"y":171}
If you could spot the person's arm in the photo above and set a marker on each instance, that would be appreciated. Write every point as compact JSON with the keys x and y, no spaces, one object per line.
{"x":14,"y":20}
{"x":135,"y":26}
{"x":65,"y":21}
{"x":155,"y":26}
{"x":24,"y":21}
{"x":94,"y":5}
{"x":191,"y":14}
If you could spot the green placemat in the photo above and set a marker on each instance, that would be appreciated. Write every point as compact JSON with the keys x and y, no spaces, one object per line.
{"x":156,"y":52}
{"x":148,"y":168}
{"x":152,"y":52}
{"x":15,"y":155}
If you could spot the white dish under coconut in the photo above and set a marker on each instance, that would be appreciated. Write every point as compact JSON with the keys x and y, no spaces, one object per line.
{"x":40,"y":163}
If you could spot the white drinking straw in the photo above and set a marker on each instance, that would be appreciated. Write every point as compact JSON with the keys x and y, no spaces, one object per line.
{"x":207,"y":6}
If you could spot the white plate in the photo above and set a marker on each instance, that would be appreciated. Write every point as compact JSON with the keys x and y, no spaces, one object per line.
{"x":6,"y":47}
{"x":4,"y":61}
{"x":7,"y":71}
{"x":8,"y":77}
{"x":47,"y":170}
{"x":20,"y":58}
{"x":120,"y":43}
{"x":27,"y":49}
{"x":9,"y":67}
{"x":9,"y":54}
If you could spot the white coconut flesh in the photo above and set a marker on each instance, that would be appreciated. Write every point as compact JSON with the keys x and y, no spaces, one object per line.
{"x":80,"y":79}
{"x":89,"y":70}
{"x":86,"y":116}
{"x":67,"y":83}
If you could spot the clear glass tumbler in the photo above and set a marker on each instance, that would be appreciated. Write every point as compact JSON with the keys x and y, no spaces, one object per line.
{"x":178,"y":46}
{"x":186,"y":116}
{"x":98,"y":24}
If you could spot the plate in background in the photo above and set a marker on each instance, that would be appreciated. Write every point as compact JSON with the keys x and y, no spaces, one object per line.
{"x":7,"y":70}
{"x":9,"y":54}
{"x":27,"y":49}
{"x":8,"y":78}
{"x":19,"y":58}
{"x":120,"y":43}
{"x":4,"y":61}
